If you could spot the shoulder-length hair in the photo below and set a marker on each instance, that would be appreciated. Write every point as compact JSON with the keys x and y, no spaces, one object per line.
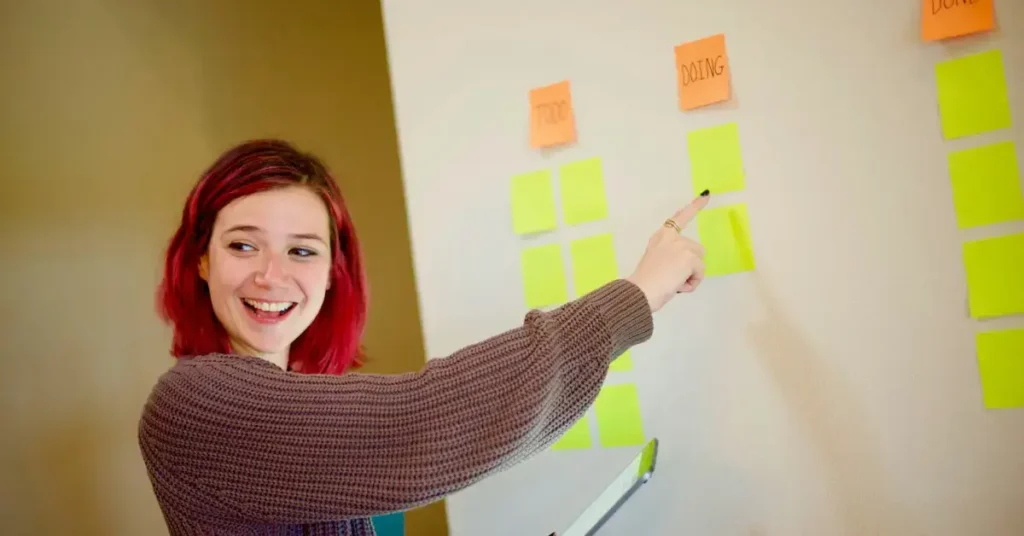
{"x":331,"y":344}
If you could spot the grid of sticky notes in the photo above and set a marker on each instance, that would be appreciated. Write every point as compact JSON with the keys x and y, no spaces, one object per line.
{"x":716,"y":164}
{"x":534,"y":212}
{"x":986,"y":190}
{"x":592,"y":263}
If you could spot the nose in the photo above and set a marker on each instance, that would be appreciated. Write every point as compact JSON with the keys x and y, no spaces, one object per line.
{"x":272,"y":272}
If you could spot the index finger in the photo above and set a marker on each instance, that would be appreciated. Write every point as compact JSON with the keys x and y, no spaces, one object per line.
{"x":689,"y":212}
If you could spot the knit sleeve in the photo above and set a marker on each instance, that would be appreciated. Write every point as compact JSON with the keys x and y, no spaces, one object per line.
{"x":271,"y":446}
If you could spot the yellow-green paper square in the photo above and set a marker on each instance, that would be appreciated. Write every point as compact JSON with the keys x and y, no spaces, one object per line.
{"x":725,"y":234}
{"x":622,"y":363}
{"x":1001,"y":367}
{"x":972,"y":94}
{"x":593,"y":263}
{"x":544,"y":276}
{"x":575,"y":438}
{"x":583,"y":196}
{"x":716,"y":162}
{"x":986,"y":185}
{"x":618,"y":416}
{"x":533,"y":202}
{"x":995,"y":275}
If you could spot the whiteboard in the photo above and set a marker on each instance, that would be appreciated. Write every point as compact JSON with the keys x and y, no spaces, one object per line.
{"x":833,"y":390}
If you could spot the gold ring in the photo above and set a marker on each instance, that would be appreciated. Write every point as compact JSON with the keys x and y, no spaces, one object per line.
{"x":670,"y":223}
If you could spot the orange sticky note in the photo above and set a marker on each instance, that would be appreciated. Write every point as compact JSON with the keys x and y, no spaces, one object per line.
{"x":551,"y":118}
{"x":941,"y":19}
{"x":702,"y":72}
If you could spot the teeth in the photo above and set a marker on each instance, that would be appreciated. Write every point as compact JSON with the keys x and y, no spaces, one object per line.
{"x":268,"y":306}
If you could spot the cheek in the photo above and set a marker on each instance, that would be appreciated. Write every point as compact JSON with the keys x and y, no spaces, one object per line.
{"x":314,"y":279}
{"x":227,"y":274}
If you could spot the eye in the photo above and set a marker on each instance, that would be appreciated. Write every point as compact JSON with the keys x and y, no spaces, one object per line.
{"x":241,"y":246}
{"x":303,"y":252}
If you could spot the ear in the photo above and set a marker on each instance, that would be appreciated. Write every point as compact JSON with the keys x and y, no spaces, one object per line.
{"x":204,"y":268}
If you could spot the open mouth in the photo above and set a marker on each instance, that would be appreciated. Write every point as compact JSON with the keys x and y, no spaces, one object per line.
{"x":268,"y":310}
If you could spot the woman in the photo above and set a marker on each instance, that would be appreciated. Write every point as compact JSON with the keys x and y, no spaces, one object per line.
{"x":255,"y":430}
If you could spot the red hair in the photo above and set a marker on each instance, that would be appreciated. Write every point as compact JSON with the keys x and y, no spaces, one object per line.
{"x":331,"y":343}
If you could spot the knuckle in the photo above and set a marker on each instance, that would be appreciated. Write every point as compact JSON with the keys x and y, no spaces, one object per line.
{"x":696,"y":247}
{"x":688,"y":245}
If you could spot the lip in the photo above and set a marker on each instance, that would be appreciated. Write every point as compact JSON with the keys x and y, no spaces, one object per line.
{"x":268,"y":320}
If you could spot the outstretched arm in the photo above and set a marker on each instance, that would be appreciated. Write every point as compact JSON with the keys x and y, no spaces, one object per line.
{"x":261,"y":443}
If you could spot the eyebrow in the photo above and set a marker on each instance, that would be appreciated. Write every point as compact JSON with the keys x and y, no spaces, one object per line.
{"x":254,"y":229}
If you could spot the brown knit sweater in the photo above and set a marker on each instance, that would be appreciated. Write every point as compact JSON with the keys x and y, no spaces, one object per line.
{"x":235,"y":445}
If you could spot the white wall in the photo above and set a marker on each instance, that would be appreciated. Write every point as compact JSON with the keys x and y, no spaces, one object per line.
{"x":832,"y":391}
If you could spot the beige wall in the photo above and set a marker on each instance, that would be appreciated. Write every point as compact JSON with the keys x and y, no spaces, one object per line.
{"x":834,"y":390}
{"x":109,"y":110}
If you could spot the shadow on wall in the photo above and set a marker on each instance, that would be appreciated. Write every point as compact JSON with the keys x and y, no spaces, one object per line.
{"x":826,"y":407}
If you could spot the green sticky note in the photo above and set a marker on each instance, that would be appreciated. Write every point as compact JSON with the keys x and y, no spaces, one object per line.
{"x":622,"y":363}
{"x":725,"y":234}
{"x":646,"y":459}
{"x":986,"y":185}
{"x":715,"y":160}
{"x":618,"y":416}
{"x":533,"y":202}
{"x":972,"y":94}
{"x":575,"y":438}
{"x":995,"y":275}
{"x":583,"y":197}
{"x":1001,"y":367}
{"x":544,"y":280}
{"x":593,"y":263}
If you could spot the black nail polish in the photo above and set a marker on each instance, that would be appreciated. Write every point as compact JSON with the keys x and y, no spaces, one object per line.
{"x":705,"y":193}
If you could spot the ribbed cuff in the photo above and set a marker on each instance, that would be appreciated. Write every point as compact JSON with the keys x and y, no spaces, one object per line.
{"x":629,"y":316}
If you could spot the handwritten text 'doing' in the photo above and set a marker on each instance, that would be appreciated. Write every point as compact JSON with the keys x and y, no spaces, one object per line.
{"x":705,"y":69}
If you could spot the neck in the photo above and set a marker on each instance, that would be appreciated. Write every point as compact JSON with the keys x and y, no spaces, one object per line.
{"x":280,"y":359}
{"x":277,"y":358}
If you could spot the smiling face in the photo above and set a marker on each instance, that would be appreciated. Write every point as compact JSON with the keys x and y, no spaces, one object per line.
{"x":268,"y":269}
